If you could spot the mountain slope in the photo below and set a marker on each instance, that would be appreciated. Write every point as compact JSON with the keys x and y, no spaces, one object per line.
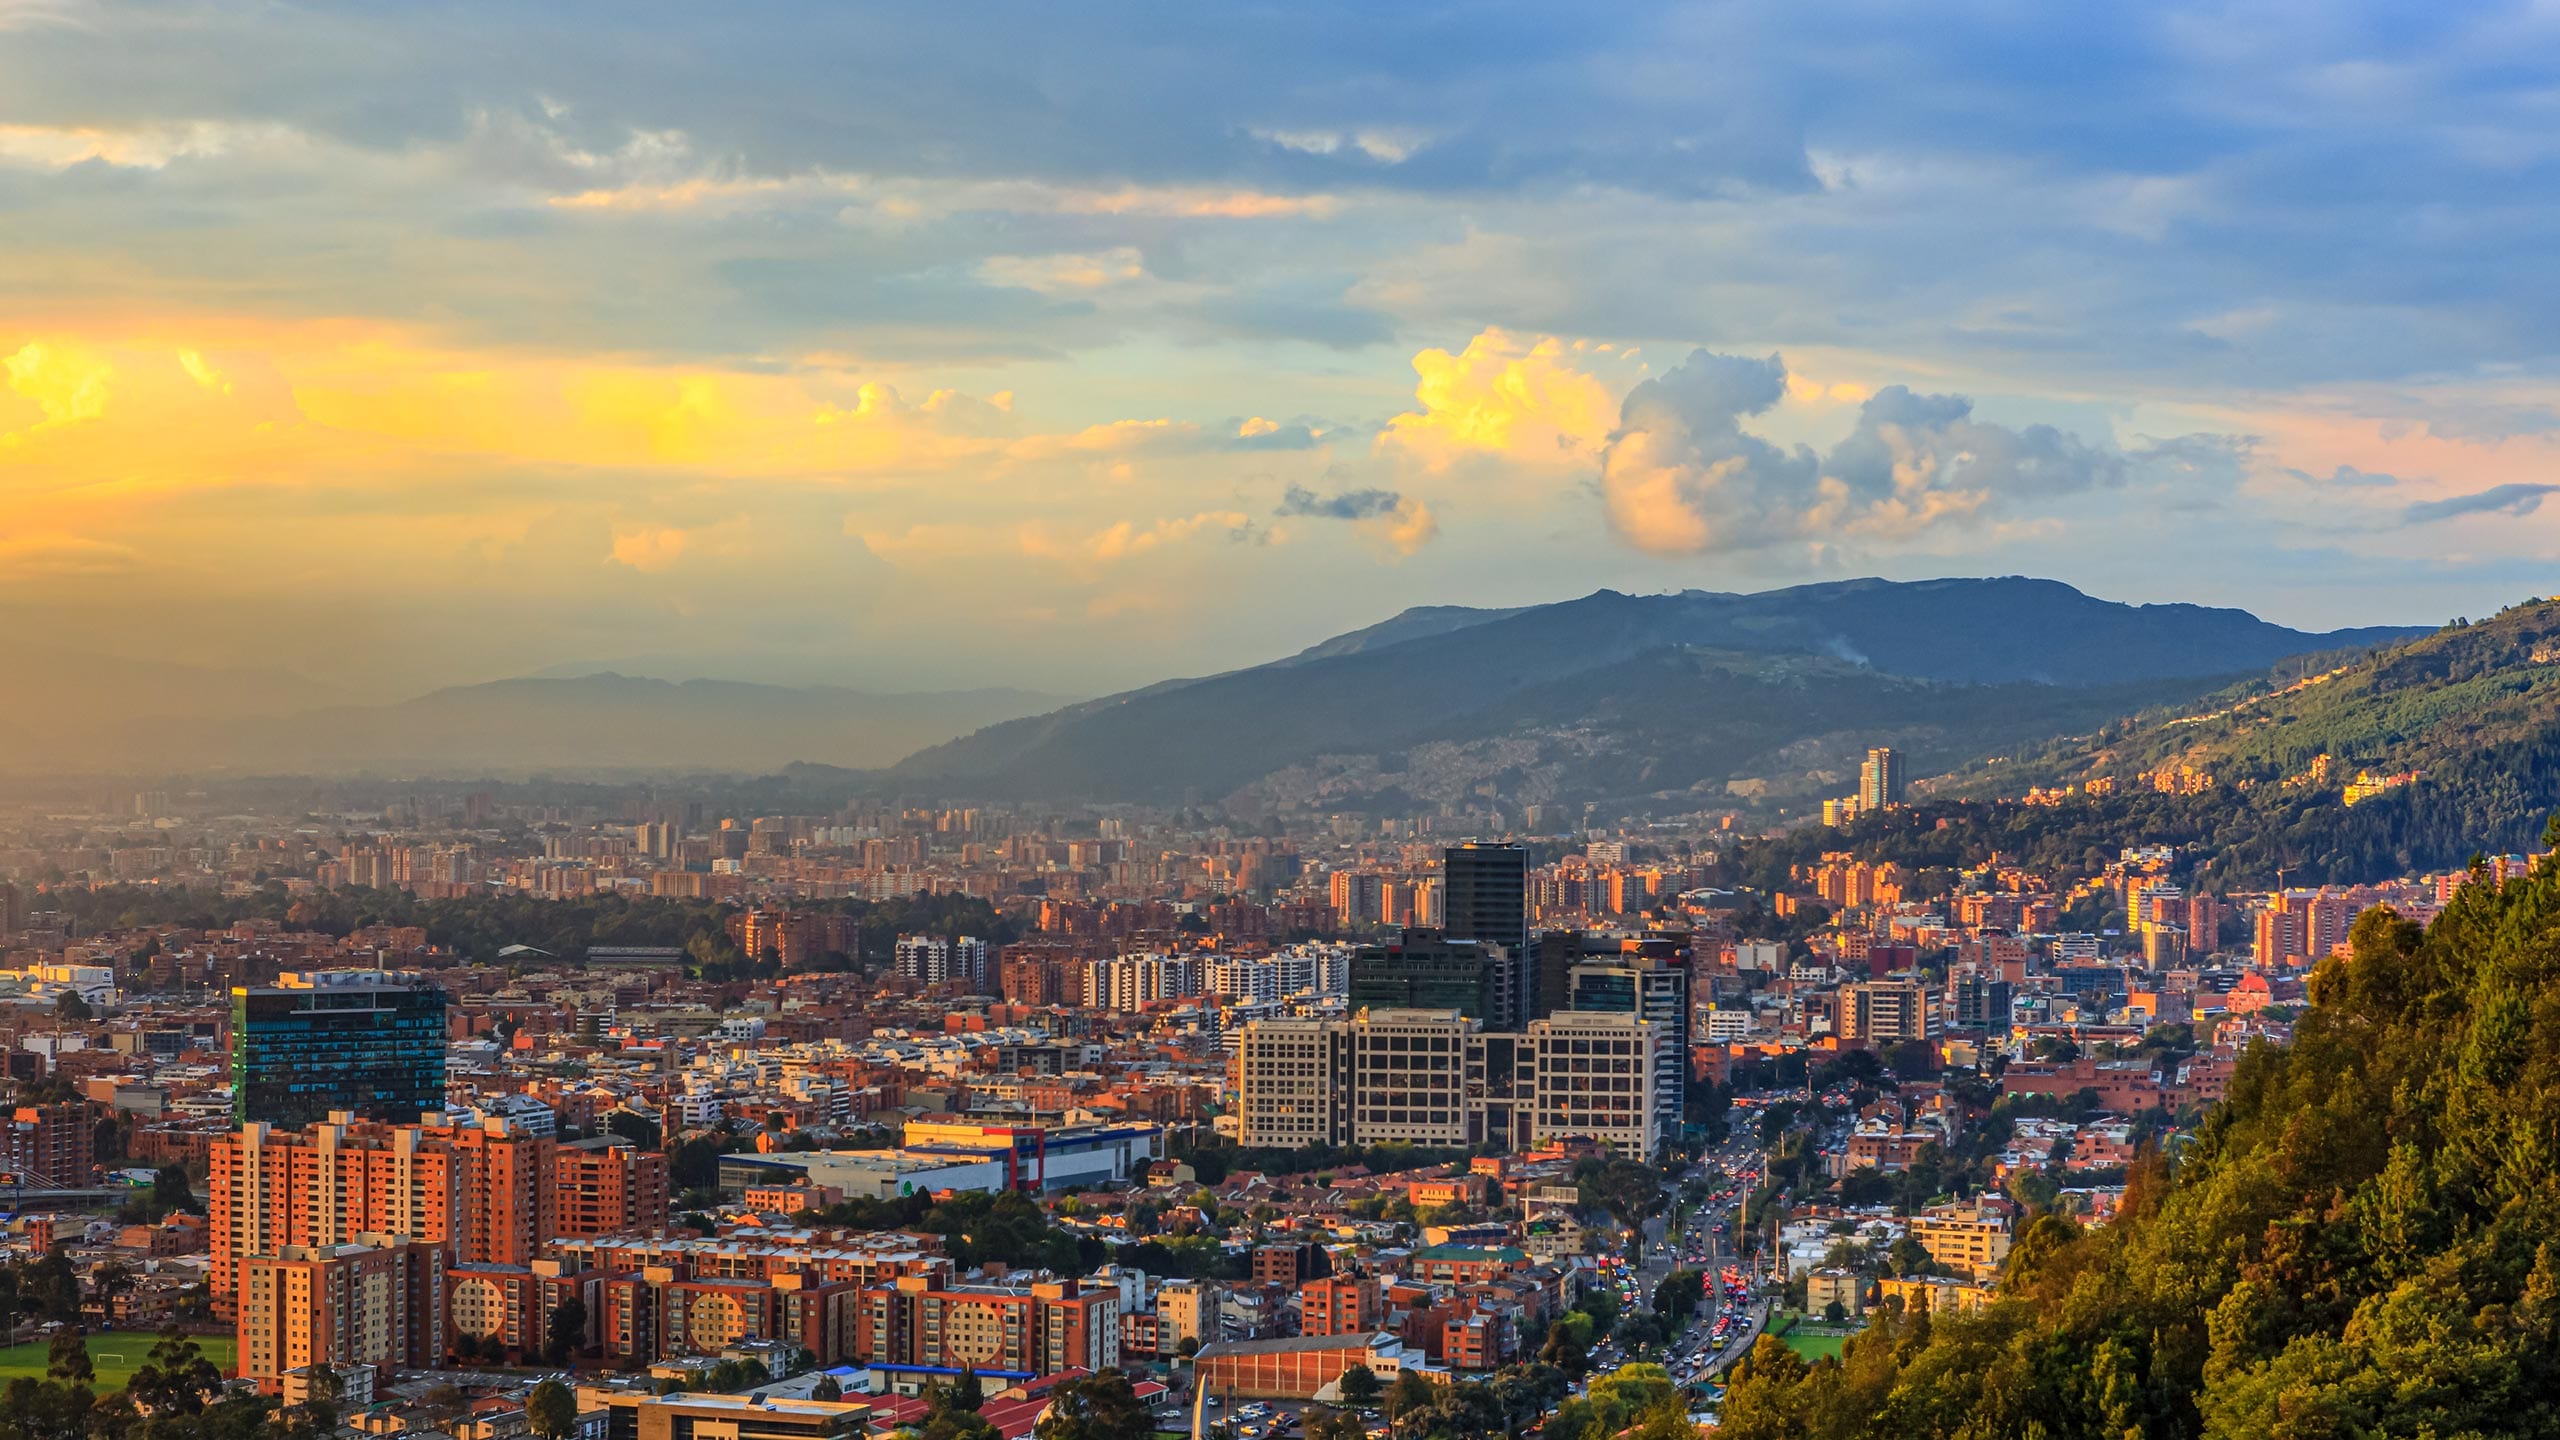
{"x":1356,"y":697}
{"x":2461,"y":728}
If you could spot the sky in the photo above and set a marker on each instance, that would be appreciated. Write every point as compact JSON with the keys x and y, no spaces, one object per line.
{"x":1077,"y":346}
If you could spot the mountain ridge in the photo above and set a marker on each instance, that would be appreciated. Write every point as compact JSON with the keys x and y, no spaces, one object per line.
{"x":1213,"y":735}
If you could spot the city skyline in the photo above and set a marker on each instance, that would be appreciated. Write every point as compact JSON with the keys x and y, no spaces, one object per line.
{"x":906,"y":352}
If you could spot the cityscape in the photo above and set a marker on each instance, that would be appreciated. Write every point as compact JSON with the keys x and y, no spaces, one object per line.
{"x":1318,"y":722}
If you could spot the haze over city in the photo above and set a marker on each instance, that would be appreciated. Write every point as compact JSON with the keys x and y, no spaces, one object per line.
{"x":1076,"y":348}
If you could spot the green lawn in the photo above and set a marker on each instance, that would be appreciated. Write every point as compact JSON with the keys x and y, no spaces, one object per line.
{"x":116,"y":1356}
{"x":1811,"y":1338}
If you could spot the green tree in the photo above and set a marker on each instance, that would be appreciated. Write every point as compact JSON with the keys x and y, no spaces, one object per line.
{"x":827,"y":1388}
{"x":1360,"y":1387}
{"x":1102,"y":1406}
{"x":1679,"y":1295}
{"x":565,"y":1330}
{"x":67,"y":1357}
{"x":551,"y":1410}
{"x":176,"y":1379}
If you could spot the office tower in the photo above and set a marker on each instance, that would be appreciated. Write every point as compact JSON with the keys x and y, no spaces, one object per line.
{"x":1291,"y":1084}
{"x":1597,"y":1079}
{"x":317,"y":1042}
{"x":13,"y":910}
{"x":1485,"y":897}
{"x":1978,"y":1000}
{"x":1884,"y":1012}
{"x":1880,"y":779}
{"x":1427,"y":1077}
{"x":1426,"y":970}
{"x":1654,"y":988}
{"x":1554,"y":954}
{"x":1408,"y":1077}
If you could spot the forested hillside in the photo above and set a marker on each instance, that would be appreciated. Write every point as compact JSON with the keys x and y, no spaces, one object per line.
{"x":2363,"y":1241}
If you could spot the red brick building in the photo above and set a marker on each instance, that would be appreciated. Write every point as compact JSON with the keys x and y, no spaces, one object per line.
{"x":1341,"y":1305}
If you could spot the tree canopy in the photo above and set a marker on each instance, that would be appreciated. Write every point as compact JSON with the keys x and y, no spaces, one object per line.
{"x":2359,"y":1241}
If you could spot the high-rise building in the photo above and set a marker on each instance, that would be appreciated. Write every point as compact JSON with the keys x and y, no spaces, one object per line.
{"x":937,"y":959}
{"x":482,"y":1192}
{"x":1655,"y":988}
{"x":1881,"y":780}
{"x":1291,"y":1083}
{"x":1408,"y":1076}
{"x":51,"y":1146}
{"x":1485,"y":897}
{"x":374,"y":1301}
{"x":1884,"y":1012}
{"x":1597,"y":1079}
{"x":1426,"y":970}
{"x":316,"y":1042}
{"x":607,"y":1186}
{"x":1978,"y":1000}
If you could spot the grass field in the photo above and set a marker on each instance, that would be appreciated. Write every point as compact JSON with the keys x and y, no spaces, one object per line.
{"x":115,"y":1355}
{"x":1813,"y":1340}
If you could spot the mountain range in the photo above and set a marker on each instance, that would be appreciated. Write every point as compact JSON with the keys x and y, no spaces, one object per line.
{"x":1664,"y":699}
{"x":587,"y":724}
{"x":1623,"y":697}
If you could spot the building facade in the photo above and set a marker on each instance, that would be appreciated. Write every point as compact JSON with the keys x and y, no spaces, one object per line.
{"x":369,"y":1041}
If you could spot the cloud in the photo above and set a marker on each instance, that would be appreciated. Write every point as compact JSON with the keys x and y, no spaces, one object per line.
{"x":2347,"y":477}
{"x":1682,"y":476}
{"x":1256,"y":433}
{"x":55,"y":556}
{"x":67,"y":383}
{"x":2515,"y":498}
{"x":1504,"y":398}
{"x":1404,"y":522}
{"x":1064,"y":274}
{"x":1349,"y":505}
{"x":651,"y":549}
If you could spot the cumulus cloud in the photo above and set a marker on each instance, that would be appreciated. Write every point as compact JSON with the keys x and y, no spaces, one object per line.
{"x":2516,"y":498}
{"x":1506,"y":398}
{"x":1681,"y":475}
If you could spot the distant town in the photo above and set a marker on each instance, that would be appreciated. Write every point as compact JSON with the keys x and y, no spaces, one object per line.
{"x":859,"y":1113}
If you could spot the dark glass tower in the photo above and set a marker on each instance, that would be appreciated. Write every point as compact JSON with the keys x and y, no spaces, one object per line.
{"x":1422,"y":970}
{"x":363,"y":1040}
{"x":1484,"y":896}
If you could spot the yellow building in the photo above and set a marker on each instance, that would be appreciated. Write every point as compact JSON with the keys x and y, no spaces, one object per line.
{"x":1964,"y":1238}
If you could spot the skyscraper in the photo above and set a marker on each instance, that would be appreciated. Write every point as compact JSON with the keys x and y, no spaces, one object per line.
{"x":369,"y":1041}
{"x":1485,"y":897}
{"x":1880,"y":781}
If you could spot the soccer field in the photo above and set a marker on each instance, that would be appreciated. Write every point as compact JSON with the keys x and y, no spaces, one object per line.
{"x":116,"y":1356}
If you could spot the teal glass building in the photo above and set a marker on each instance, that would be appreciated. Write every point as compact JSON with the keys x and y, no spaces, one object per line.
{"x":368,"y":1041}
